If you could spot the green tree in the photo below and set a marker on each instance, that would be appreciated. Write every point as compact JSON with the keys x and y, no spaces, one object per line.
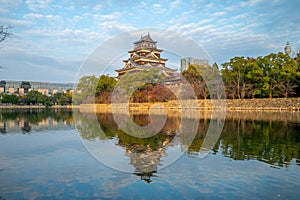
{"x":85,"y":90}
{"x":289,"y":73}
{"x":141,"y":79}
{"x":235,"y":75}
{"x":194,"y":75}
{"x":105,"y":84}
{"x":280,"y":73}
{"x":202,"y":76}
{"x":257,"y":77}
{"x":61,"y":99}
{"x":104,"y":89}
{"x":10,"y":99}
{"x":34,"y":97}
{"x":46,"y":100}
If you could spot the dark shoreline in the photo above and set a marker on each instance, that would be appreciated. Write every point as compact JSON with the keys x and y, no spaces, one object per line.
{"x":35,"y":107}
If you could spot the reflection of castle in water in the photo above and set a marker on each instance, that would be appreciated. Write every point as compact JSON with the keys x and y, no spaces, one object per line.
{"x":146,"y":162}
{"x":145,"y":159}
{"x":146,"y":154}
{"x":245,"y":136}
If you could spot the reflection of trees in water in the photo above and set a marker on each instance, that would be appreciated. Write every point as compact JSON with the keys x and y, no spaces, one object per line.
{"x":25,"y":119}
{"x":271,"y":141}
{"x":275,"y":143}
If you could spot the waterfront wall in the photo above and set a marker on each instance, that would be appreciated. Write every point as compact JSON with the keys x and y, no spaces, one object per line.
{"x":245,"y":111}
{"x":257,"y":104}
{"x":292,"y":104}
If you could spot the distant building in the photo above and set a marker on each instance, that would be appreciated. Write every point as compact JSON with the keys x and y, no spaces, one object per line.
{"x":2,"y":86}
{"x":23,"y":87}
{"x":185,"y":62}
{"x":288,"y":48}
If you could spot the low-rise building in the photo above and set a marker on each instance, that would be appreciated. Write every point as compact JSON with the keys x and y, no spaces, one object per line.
{"x":23,"y":87}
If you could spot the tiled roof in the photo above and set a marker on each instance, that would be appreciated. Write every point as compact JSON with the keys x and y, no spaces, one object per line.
{"x":145,"y":38}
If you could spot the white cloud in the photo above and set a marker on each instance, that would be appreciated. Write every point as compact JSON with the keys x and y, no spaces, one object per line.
{"x":115,"y":26}
{"x":73,"y":28}
{"x":53,"y":17}
{"x":245,"y":4}
{"x":218,"y":14}
{"x":187,"y":27}
{"x":73,"y":41}
{"x":200,"y":29}
{"x":15,"y":22}
{"x":37,"y":5}
{"x":113,"y":16}
{"x":33,"y":16}
{"x":143,"y":4}
{"x":175,"y":4}
{"x":7,"y":5}
{"x":97,"y":7}
{"x":158,"y":8}
{"x":49,"y":18}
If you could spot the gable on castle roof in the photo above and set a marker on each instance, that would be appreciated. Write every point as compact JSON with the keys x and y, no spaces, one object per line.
{"x":145,"y":38}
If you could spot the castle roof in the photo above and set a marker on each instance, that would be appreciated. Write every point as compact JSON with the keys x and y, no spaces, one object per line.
{"x":145,"y":38}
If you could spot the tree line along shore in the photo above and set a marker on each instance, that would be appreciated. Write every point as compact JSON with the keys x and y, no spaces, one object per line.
{"x":264,"y":77}
{"x":265,"y":82}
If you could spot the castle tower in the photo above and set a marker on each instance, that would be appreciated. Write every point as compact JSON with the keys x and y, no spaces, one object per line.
{"x":145,"y":56}
{"x":288,"y":48}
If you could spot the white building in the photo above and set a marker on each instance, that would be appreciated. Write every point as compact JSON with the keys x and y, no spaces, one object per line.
{"x":185,"y":62}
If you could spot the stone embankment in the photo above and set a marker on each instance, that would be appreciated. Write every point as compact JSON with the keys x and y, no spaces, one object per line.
{"x":264,"y":104}
{"x":292,"y":104}
{"x":281,"y":110}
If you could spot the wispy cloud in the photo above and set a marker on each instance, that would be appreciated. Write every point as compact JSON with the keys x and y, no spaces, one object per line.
{"x":71,"y":29}
{"x":16,"y":22}
{"x":115,"y":26}
{"x":7,"y":5}
{"x":218,"y":14}
{"x":158,"y":8}
{"x":33,"y":16}
{"x":37,"y":5}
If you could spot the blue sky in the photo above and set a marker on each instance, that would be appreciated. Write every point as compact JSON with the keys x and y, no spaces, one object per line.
{"x":52,"y":38}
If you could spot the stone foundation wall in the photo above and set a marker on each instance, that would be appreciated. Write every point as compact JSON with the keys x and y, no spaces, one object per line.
{"x":290,"y":104}
{"x":264,"y":104}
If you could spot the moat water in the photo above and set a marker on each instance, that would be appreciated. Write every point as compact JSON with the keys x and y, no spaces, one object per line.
{"x":43,"y":156}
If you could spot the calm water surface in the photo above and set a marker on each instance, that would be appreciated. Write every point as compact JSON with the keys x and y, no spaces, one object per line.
{"x":42,"y":156}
